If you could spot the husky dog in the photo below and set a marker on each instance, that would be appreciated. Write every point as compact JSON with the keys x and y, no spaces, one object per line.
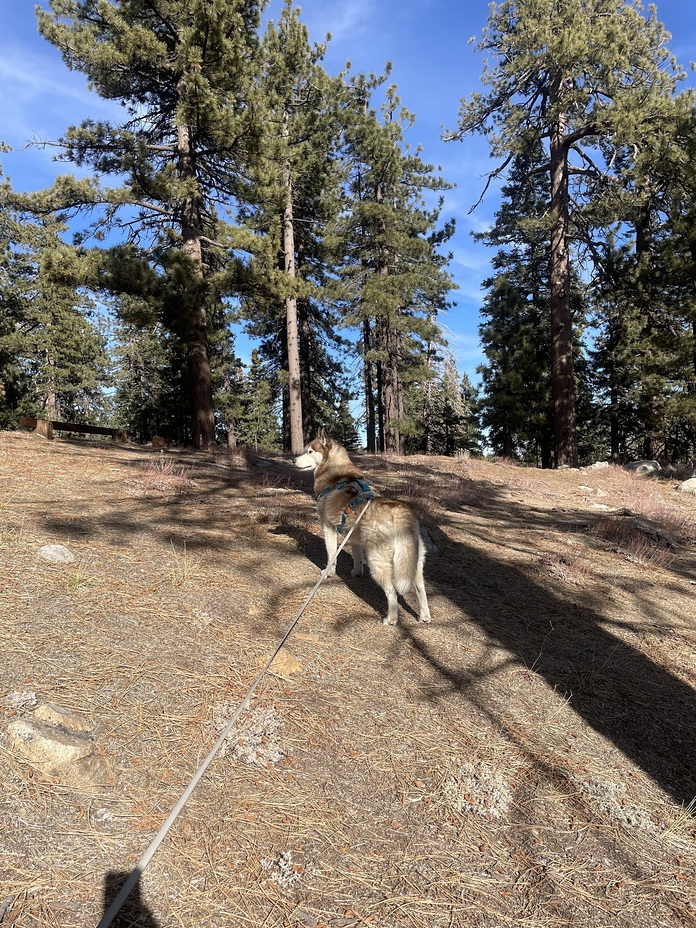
{"x":387,"y":536}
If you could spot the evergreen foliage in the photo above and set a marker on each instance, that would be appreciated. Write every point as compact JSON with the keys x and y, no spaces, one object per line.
{"x":53,"y":360}
{"x":586,"y":78}
{"x":242,"y":184}
{"x":393,"y":281}
{"x":182,"y":72}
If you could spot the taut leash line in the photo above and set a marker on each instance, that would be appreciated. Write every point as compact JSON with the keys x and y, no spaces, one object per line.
{"x":139,"y":868}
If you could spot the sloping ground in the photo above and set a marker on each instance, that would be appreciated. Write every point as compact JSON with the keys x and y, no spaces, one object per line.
{"x":526,"y":760}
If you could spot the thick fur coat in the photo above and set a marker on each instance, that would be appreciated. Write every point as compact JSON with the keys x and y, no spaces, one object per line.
{"x":387,"y":537}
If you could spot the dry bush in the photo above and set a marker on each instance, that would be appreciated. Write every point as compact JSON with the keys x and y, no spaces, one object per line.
{"x":637,"y":539}
{"x":163,"y":477}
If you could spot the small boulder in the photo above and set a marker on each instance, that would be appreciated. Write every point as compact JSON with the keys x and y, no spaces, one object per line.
{"x":62,"y":718}
{"x":56,"y":554}
{"x":688,"y":486}
{"x":55,"y":742}
{"x":643,"y":468}
{"x":49,"y":747}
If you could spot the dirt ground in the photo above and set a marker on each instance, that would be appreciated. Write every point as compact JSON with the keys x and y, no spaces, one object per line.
{"x":526,"y":760}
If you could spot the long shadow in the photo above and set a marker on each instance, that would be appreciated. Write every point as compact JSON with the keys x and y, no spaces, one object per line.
{"x":646,"y":711}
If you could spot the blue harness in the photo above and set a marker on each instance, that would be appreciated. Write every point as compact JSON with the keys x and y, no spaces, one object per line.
{"x":363,"y":495}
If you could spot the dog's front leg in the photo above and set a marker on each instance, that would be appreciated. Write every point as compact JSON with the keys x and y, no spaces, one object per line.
{"x":331,"y":542}
{"x":358,"y":559}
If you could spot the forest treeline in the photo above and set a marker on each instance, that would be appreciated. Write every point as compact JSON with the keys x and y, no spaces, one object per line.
{"x":242,"y":184}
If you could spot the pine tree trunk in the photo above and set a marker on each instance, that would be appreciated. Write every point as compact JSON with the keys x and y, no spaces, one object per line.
{"x":231,"y":437}
{"x":562,"y":375}
{"x":202,"y":416}
{"x":308,"y":424}
{"x":370,"y":424}
{"x":291,"y":322}
{"x":393,"y":400}
{"x":379,"y":338}
{"x":651,"y":405}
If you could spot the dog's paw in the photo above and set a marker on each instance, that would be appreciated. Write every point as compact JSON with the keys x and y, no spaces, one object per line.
{"x":356,"y":572}
{"x":425,"y":619}
{"x":388,"y":620}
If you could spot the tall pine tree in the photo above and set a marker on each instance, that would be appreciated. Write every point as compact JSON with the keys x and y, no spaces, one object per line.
{"x":182,"y":71}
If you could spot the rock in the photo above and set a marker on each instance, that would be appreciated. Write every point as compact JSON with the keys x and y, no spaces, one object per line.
{"x":68,"y":721}
{"x":55,"y":742}
{"x":92,"y":770}
{"x":56,"y":554}
{"x":643,"y":468}
{"x":158,"y":441}
{"x":688,"y":486}
{"x":46,"y":745}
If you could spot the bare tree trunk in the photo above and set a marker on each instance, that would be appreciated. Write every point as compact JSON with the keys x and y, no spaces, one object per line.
{"x":231,"y":436}
{"x":370,"y":424}
{"x":291,"y":322}
{"x":562,"y":374}
{"x":651,"y":402}
{"x":202,"y":416}
{"x":393,"y":402}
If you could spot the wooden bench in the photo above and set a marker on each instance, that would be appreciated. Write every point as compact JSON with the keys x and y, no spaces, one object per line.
{"x":46,"y":427}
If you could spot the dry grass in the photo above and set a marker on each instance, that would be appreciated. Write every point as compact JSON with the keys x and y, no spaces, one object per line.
{"x":525,"y":761}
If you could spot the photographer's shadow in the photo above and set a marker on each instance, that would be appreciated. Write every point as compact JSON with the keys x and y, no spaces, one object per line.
{"x":133,"y":913}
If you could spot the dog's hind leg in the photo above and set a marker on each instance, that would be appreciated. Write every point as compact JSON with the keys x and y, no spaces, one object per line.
{"x":423,"y":608}
{"x":392,"y":605}
{"x":381,"y":573}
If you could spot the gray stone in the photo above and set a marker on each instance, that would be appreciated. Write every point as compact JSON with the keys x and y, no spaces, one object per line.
{"x":56,"y":554}
{"x":643,"y":468}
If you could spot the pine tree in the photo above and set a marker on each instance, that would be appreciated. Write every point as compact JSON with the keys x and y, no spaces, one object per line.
{"x":227,"y":375}
{"x":182,"y":71}
{"x":515,"y":328}
{"x":393,"y":279}
{"x":151,"y":395}
{"x":53,"y":361}
{"x":293,"y":197}
{"x":574,"y":74}
{"x":258,"y":425}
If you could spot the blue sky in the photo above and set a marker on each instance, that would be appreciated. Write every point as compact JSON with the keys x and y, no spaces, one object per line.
{"x":434,"y":66}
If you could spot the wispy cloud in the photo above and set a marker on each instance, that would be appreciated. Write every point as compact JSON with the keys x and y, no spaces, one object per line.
{"x":41,"y":96}
{"x":344,"y":21}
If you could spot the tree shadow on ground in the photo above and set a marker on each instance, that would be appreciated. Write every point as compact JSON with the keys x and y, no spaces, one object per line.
{"x":646,"y":711}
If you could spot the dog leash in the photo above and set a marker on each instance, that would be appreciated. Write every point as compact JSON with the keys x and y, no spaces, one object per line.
{"x":139,"y":868}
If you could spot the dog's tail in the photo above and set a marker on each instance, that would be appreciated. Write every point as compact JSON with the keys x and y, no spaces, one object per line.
{"x":408,"y":550}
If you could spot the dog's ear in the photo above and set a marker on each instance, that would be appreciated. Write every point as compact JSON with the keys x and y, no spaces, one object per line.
{"x":324,"y":438}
